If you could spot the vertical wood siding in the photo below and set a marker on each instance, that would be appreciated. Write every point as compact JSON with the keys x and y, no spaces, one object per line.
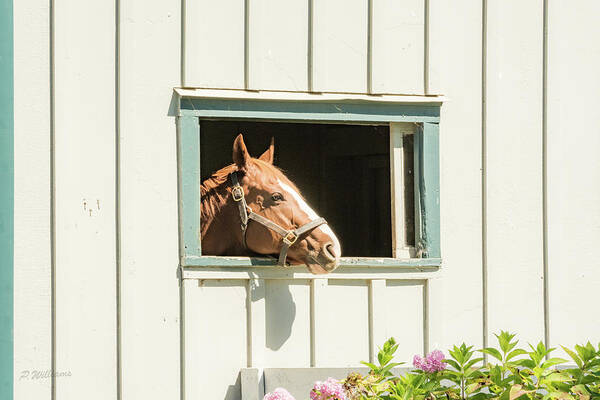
{"x":306,"y":45}
{"x":216,"y":338}
{"x":220,"y":326}
{"x":287,"y":339}
{"x":490,"y":66}
{"x":215,"y":41}
{"x":398,"y":53}
{"x":149,"y":66}
{"x":278,"y":45}
{"x":455,"y":57}
{"x":573,"y":172}
{"x":86,"y":309}
{"x":340,"y":36}
{"x":514,"y":167}
{"x":33,"y":205}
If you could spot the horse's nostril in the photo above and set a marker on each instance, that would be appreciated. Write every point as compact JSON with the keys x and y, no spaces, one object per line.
{"x":329,"y":251}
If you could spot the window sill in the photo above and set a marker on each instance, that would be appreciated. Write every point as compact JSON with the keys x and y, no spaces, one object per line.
{"x":212,"y":267}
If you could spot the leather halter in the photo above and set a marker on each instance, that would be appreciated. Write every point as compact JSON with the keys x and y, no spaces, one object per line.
{"x":289,"y":237}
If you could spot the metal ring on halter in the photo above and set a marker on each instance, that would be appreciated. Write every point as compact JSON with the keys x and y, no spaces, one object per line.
{"x":289,"y":237}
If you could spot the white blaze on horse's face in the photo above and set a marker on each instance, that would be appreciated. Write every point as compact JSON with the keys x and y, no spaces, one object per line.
{"x":337,"y":250}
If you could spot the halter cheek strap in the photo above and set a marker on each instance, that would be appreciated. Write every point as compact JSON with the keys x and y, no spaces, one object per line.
{"x":289,"y":237}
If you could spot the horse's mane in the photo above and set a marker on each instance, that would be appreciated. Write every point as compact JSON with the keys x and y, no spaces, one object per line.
{"x":215,"y":190}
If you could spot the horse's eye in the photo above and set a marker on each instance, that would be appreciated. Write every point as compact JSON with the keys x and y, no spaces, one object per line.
{"x":277,"y":196}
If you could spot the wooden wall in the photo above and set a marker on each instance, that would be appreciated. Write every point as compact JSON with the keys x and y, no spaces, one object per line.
{"x":96,"y":286}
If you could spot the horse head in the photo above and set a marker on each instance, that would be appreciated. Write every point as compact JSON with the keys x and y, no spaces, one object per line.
{"x":250,"y":207}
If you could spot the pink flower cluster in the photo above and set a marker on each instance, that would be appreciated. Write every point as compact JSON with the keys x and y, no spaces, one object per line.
{"x":279,"y":394}
{"x":331,"y":389}
{"x":431,"y":363}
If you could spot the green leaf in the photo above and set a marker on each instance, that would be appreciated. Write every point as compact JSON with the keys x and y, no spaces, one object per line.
{"x":373,"y":367}
{"x":517,"y":391}
{"x":581,"y":391}
{"x":573,"y":356}
{"x":515,"y":353}
{"x":525,"y":363}
{"x":558,"y":396}
{"x":504,"y":341}
{"x":473,"y":361}
{"x":492,"y":352}
{"x":388,"y":367}
{"x":453,"y":364}
{"x":473,"y":387}
{"x":556,"y":377}
{"x":553,"y":361}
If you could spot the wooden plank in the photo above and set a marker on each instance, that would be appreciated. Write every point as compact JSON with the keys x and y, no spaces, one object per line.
{"x":296,"y":96}
{"x":33,"y":205}
{"x":427,"y":189}
{"x":400,"y":248}
{"x":514,"y":168}
{"x":148,"y":199}
{"x":215,"y":330}
{"x":340,"y":46}
{"x":409,"y":330}
{"x":412,"y":264}
{"x":214,"y":43}
{"x":377,"y":316}
{"x":317,"y":318}
{"x":287,"y":310}
{"x":455,"y":69}
{"x":343,"y":301}
{"x":188,"y":132}
{"x":273,"y":272}
{"x":308,"y":111}
{"x":7,"y":207}
{"x":253,"y":383}
{"x":573,"y":173}
{"x":278,"y":42}
{"x":256,"y":317}
{"x":398,"y":46}
{"x":85,"y":160}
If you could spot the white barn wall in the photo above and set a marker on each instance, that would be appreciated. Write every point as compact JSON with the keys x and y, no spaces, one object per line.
{"x":398,"y":47}
{"x":206,"y":44}
{"x":339,"y":46}
{"x":573,"y":172}
{"x":278,"y":61}
{"x":149,"y":67}
{"x":214,"y":44}
{"x":455,"y":69}
{"x":514,"y":168}
{"x":32,"y":188}
{"x":85,"y":104}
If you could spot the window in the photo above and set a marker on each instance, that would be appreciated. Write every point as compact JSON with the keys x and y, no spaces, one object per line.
{"x":388,"y":146}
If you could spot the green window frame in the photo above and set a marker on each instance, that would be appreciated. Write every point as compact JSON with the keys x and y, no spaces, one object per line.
{"x":424,"y":111}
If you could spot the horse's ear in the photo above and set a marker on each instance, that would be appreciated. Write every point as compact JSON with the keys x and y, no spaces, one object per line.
{"x":241,"y":157}
{"x":269,"y":154}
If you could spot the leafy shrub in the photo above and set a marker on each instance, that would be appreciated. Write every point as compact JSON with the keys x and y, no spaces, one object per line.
{"x":511,"y":373}
{"x":514,"y":373}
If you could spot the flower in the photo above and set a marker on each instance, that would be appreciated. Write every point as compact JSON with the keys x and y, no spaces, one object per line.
{"x":433,"y":362}
{"x":279,"y":394}
{"x":331,"y":389}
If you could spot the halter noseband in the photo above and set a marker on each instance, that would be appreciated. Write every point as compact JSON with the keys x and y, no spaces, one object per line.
{"x":246,"y":214}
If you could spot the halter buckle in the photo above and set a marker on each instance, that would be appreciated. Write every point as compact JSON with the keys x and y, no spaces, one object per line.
{"x":237,"y":193}
{"x":290,"y":238}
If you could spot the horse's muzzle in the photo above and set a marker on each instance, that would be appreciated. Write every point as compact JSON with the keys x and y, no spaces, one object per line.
{"x":327,"y":258}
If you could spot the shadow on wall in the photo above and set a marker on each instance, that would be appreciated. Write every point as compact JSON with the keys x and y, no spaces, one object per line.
{"x":280,"y":311}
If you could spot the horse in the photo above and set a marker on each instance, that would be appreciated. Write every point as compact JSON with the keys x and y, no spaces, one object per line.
{"x":251,"y":208}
